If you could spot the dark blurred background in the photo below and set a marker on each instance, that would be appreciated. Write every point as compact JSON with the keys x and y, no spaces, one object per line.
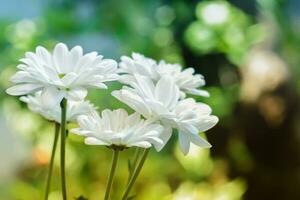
{"x":248,"y":52}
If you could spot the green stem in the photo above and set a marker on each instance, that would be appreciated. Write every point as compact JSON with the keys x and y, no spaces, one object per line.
{"x":112,"y":173}
{"x":137,"y":153}
{"x":135,"y":174}
{"x":56,"y":133}
{"x":63,"y":106}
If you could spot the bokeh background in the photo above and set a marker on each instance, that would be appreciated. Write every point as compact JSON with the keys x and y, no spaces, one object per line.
{"x":249,"y":53}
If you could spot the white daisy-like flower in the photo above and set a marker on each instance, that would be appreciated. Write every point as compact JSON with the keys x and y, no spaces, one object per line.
{"x":161,"y":102}
{"x":62,"y":73}
{"x":118,"y":129}
{"x":74,"y":108}
{"x":185,"y":79}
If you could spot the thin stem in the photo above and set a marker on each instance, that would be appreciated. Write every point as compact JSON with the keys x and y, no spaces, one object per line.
{"x":135,"y":174}
{"x":63,"y":106}
{"x":112,"y":173}
{"x":56,"y":133}
{"x":137,"y":153}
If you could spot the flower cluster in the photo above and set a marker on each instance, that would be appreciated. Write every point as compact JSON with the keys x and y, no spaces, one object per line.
{"x":55,"y":85}
{"x":158,"y":91}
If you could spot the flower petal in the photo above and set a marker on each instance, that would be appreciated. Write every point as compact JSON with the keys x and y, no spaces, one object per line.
{"x":207,"y":123}
{"x":196,"y":139}
{"x":77,"y":94}
{"x":51,"y":97}
{"x":94,"y":141}
{"x":59,"y":56}
{"x":184,"y":142}
{"x":69,"y":79}
{"x":164,"y":136}
{"x":196,"y":92}
{"x":23,"y":89}
{"x":145,"y":86}
{"x":167,"y":92}
{"x":142,"y":144}
{"x":133,"y":100}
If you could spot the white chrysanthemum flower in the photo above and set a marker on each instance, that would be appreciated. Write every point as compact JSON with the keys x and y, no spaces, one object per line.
{"x":185,"y":79}
{"x":74,"y":108}
{"x":161,"y":102}
{"x":63,"y":73}
{"x":118,"y":129}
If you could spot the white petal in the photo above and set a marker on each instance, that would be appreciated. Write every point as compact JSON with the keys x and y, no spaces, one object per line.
{"x":25,"y":99}
{"x":182,"y":95}
{"x":142,"y":144}
{"x":51,"y":97}
{"x":158,"y":108}
{"x":184,"y":142}
{"x":189,"y":128}
{"x":23,"y":89}
{"x":69,"y":78}
{"x":43,"y":54}
{"x":60,"y":54}
{"x":79,"y":131}
{"x":127,"y":79}
{"x":75,"y":54}
{"x":207,"y":123}
{"x":145,"y":86}
{"x":76,"y":94}
{"x":203,"y":93}
{"x":155,"y":140}
{"x":132,"y":100}
{"x":196,"y":139}
{"x":165,"y":136}
{"x":108,"y":66}
{"x":85,"y":62}
{"x":94,"y":141}
{"x":99,"y":85}
{"x":166,"y":91}
{"x":203,"y":109}
{"x":133,"y":119}
{"x":22,"y":67}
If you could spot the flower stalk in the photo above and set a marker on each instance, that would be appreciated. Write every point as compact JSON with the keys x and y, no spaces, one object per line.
{"x":56,"y":134}
{"x":135,"y":174}
{"x":137,"y":153}
{"x":112,"y":173}
{"x":63,"y":105}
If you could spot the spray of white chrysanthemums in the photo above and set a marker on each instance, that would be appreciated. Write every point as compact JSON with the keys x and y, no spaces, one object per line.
{"x":55,"y":85}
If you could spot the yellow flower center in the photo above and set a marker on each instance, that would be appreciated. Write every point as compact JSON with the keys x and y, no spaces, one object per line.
{"x":61,"y":75}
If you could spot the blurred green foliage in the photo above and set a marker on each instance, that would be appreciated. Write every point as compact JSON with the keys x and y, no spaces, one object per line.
{"x":221,"y":27}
